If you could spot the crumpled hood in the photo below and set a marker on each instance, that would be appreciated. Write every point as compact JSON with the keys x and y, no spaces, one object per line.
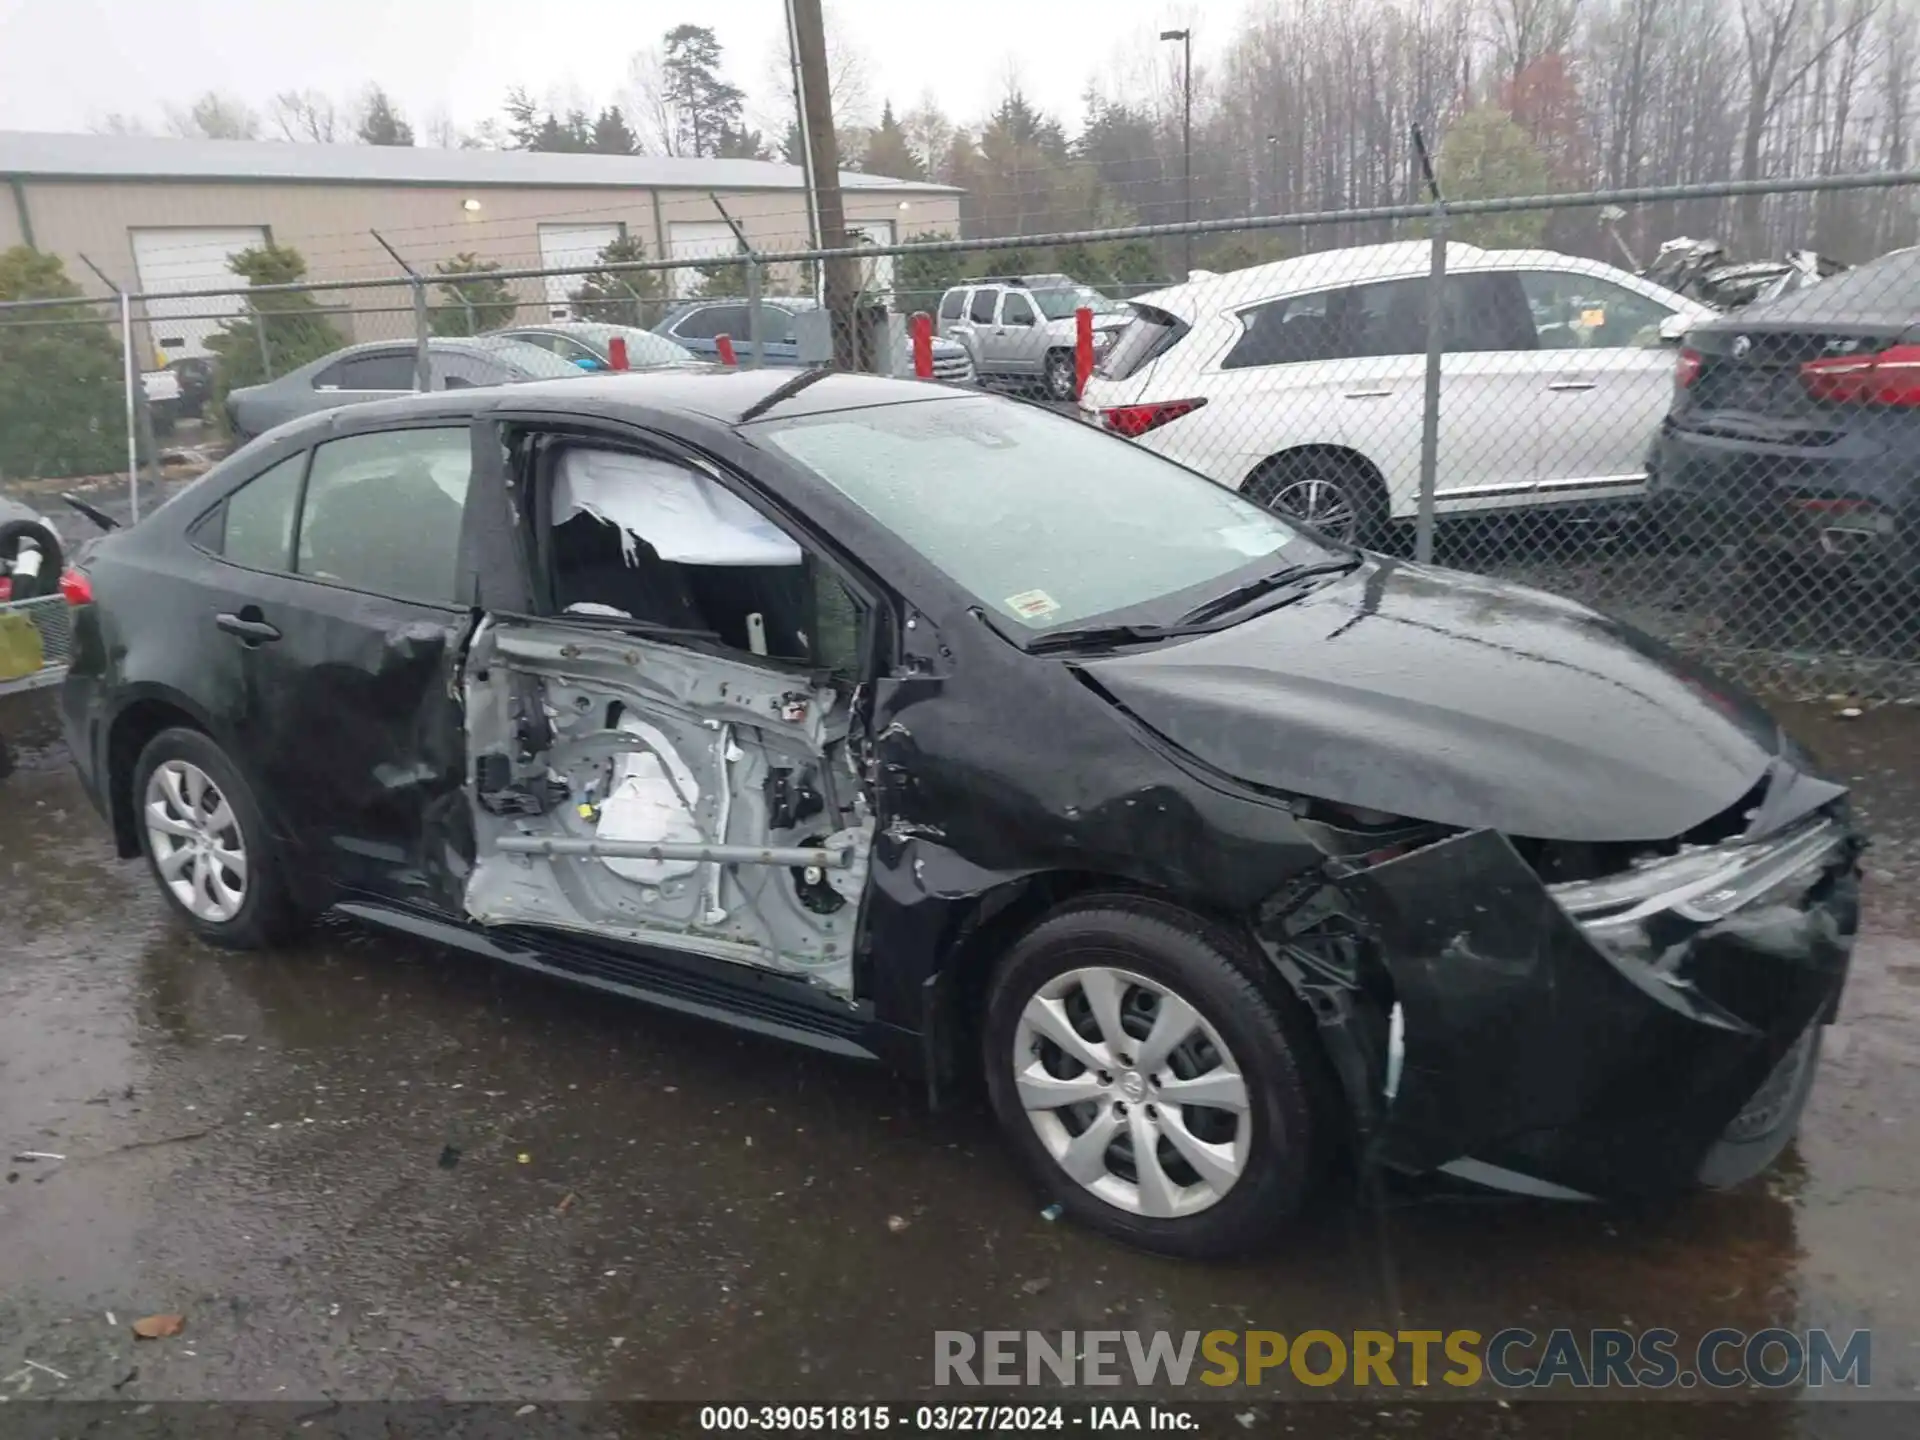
{"x":1452,"y":698}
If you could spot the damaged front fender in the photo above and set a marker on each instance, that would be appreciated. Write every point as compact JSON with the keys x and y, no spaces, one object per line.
{"x":1537,"y":1050}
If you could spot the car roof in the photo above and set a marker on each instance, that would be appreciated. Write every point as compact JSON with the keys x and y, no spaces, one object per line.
{"x":716,"y":394}
{"x":1209,"y":293}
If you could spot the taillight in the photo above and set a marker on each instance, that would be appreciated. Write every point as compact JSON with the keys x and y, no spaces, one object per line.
{"x":1687,"y":369}
{"x":1133,"y":421}
{"x":76,"y":587}
{"x":1892,"y":377}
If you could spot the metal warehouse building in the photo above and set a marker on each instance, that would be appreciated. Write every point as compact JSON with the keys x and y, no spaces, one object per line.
{"x":162,"y":215}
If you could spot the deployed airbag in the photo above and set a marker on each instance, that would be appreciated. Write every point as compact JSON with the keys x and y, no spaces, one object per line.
{"x":685,"y":516}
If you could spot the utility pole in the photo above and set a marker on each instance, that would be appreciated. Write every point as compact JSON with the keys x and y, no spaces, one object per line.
{"x":809,"y":41}
{"x":1185,"y":37}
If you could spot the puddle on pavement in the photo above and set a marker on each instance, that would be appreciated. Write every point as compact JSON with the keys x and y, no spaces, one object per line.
{"x":645,"y":1205}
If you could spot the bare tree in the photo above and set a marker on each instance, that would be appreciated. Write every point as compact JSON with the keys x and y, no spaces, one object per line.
{"x":306,"y":115}
{"x":214,"y":117}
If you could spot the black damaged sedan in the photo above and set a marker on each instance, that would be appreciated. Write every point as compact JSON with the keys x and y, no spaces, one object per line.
{"x":934,"y":728}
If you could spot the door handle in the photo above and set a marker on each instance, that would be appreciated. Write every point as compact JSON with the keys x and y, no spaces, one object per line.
{"x":250,"y":626}
{"x":1366,"y":394}
{"x":1573,"y":385}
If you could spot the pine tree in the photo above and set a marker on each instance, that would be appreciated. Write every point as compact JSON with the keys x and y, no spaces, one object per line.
{"x":380,"y":123}
{"x":620,"y":297}
{"x":612,"y":135}
{"x":61,"y":393}
{"x":471,"y":306}
{"x":888,"y":152}
{"x":295,"y":328}
{"x":742,"y":144}
{"x":705,"y":107}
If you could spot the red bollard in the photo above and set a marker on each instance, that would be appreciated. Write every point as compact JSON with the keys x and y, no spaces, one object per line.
{"x":724,"y":344}
{"x":921,"y":325}
{"x":1082,"y":349}
{"x":617,"y":353}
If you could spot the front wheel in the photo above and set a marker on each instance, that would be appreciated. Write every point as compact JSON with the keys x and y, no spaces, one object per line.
{"x":206,"y":843}
{"x":1147,"y":1083}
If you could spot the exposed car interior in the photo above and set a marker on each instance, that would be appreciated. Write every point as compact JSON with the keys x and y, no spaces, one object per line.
{"x":687,"y":696}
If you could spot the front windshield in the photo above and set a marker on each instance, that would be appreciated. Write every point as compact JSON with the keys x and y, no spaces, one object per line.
{"x":1060,"y":303}
{"x":1045,"y":520}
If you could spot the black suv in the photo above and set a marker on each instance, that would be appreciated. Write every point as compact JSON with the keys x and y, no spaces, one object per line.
{"x":937,"y":728}
{"x":1796,"y":425}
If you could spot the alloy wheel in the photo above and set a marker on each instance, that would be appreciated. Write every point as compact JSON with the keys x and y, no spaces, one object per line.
{"x":1320,"y":501}
{"x":195,"y":840}
{"x":1059,"y":376}
{"x":1132,"y":1092}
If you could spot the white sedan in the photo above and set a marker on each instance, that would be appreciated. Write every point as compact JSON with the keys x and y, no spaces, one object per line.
{"x":1301,"y":383}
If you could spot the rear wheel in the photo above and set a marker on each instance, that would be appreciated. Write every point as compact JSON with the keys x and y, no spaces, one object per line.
{"x":1147,"y":1083}
{"x":1060,"y":375}
{"x":1341,"y":498}
{"x":201,"y":831}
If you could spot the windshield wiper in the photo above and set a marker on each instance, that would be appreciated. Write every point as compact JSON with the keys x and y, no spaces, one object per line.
{"x":1253,"y":589}
{"x":1102,"y":637}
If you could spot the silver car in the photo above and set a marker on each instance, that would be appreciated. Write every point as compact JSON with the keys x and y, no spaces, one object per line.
{"x":1022,"y":328}
{"x":384,"y":369}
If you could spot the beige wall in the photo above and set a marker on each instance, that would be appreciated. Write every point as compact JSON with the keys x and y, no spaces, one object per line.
{"x":330,"y":224}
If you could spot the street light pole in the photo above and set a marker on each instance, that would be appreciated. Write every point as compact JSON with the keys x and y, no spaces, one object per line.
{"x":1185,"y":37}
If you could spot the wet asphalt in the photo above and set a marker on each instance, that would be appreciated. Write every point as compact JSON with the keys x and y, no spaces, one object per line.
{"x":360,"y":1167}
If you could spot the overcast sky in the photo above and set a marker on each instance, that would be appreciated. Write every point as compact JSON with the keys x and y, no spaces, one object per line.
{"x":67,"y":64}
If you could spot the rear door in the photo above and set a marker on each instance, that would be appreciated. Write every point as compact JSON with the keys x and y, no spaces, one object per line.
{"x":334,"y":588}
{"x":974,"y":328}
{"x":660,"y":752}
{"x":1607,"y":378}
{"x":366,"y":375}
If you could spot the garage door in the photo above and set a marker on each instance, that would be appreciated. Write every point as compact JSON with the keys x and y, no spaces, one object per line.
{"x":701,"y":240}
{"x":564,"y":245}
{"x":170,"y":260}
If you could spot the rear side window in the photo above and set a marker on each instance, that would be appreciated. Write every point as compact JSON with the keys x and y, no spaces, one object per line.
{"x":701,"y":324}
{"x":260,"y":514}
{"x":383,"y":511}
{"x":1016,"y":310}
{"x":1285,"y":332}
{"x":382,"y":370}
{"x":951,"y":303}
{"x":981,"y":312}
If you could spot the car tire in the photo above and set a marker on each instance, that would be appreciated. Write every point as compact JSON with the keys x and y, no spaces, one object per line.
{"x":1261,"y":1148}
{"x":1768,"y":1121}
{"x":1059,"y":375}
{"x":1340,"y":498}
{"x":207,"y":843}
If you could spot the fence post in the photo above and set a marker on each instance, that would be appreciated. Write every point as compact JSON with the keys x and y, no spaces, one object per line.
{"x":922,"y":326}
{"x":422,"y":366}
{"x":617,"y":353}
{"x":756,"y":341}
{"x":724,"y":344}
{"x":132,"y":378}
{"x":1436,"y":347}
{"x":1082,"y":349}
{"x":260,"y":332}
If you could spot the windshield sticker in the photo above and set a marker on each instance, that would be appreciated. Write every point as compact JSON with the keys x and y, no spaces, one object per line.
{"x":1032,"y":604}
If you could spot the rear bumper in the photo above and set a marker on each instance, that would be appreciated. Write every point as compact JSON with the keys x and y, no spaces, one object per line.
{"x":1852,"y":506}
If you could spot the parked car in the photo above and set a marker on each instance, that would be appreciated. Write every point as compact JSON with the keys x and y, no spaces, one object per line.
{"x":1022,"y":328}
{"x":1702,"y":270}
{"x":383,"y":369}
{"x":586,"y":343}
{"x":929,"y":726}
{"x":1796,"y":425}
{"x":1301,"y":383}
{"x":696,"y":324}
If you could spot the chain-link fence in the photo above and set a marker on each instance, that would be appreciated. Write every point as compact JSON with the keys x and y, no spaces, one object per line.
{"x":1715,"y":447}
